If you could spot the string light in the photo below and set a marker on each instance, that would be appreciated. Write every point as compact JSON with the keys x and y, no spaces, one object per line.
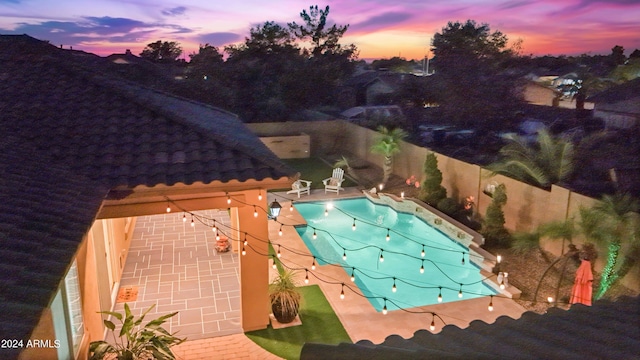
{"x":422,"y":252}
{"x":193,"y":223}
{"x":460,"y":292}
{"x":260,"y":195}
{"x":381,"y":257}
{"x":228,"y":199}
{"x":422,"y":267}
{"x":326,"y":212}
{"x":384,"y":308}
{"x":490,"y":307}
{"x":291,"y":206}
{"x":245,"y":242}
{"x":244,"y":251}
{"x":432,"y":327}
{"x":388,"y":237}
{"x":440,"y":294}
{"x":344,"y":254}
{"x":342,"y":292}
{"x":394,"y":288}
{"x":353,"y":275}
{"x":353,"y":227}
{"x":279,"y":254}
{"x":255,"y":211}
{"x":462,"y":258}
{"x":315,"y":236}
{"x":214,"y":228}
{"x":184,"y":217}
{"x":274,"y":264}
{"x":168,"y":207}
{"x":306,"y":276}
{"x":313,"y":264}
{"x":280,"y":231}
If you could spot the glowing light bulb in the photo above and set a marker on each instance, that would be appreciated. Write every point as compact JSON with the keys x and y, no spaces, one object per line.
{"x":432,"y":327}
{"x":353,"y":227}
{"x":228,"y":200}
{"x":291,"y":206}
{"x":326,"y":212}
{"x":502,"y":285}
{"x":184,"y":217}
{"x":388,"y":237}
{"x":394,"y":288}
{"x":255,"y":211}
{"x":550,"y":299}
{"x":381,"y":257}
{"x":422,"y":268}
{"x":245,"y":240}
{"x":344,"y":255}
{"x":260,"y":195}
{"x":440,"y":296}
{"x":274,"y":264}
{"x":384,"y":309}
{"x":217,"y":237}
{"x":214,"y":228}
{"x":460,"y":292}
{"x":353,"y":275}
{"x":422,"y":252}
{"x":315,"y":236}
{"x":313,"y":264}
{"x":342,"y":293}
{"x":490,"y":307}
{"x":279,"y":254}
{"x":244,"y":252}
{"x":306,"y":277}
{"x":168,"y":208}
{"x":499,"y":259}
{"x":193,"y":223}
{"x":280,"y":231}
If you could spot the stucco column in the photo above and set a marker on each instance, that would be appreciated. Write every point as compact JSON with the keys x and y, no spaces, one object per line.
{"x":254,"y":266}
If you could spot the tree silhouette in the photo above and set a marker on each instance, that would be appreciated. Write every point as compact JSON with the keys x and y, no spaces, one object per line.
{"x":162,"y":51}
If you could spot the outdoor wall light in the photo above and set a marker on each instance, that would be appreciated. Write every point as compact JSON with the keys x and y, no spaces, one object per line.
{"x":274,"y":209}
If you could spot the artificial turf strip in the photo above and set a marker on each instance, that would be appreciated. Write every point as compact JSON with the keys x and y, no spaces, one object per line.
{"x":319,"y":324}
{"x":315,"y":170}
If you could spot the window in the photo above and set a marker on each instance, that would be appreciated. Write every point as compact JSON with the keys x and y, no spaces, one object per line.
{"x":66,"y":309}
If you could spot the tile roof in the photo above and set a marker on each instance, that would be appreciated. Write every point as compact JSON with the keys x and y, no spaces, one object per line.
{"x":71,"y":132}
{"x":606,"y":330}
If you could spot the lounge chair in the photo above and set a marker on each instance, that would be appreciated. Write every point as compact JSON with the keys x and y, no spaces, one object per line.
{"x":300,"y":187}
{"x":334,"y":183}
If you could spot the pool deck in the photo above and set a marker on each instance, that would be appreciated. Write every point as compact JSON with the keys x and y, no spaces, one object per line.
{"x":358,"y":316}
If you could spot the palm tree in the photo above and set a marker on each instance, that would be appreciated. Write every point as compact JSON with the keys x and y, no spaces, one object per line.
{"x":549,"y":161}
{"x":388,"y":145}
{"x":614,"y":221}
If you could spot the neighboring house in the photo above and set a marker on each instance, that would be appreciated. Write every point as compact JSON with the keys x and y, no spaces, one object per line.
{"x":539,"y":94}
{"x":619,"y":106}
{"x":372,"y":112}
{"x":370,"y":88}
{"x":83,"y":151}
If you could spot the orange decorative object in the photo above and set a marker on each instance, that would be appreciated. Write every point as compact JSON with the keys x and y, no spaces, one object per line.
{"x":582,"y":290}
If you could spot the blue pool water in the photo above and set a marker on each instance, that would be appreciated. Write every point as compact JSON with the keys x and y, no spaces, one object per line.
{"x":442,"y":262}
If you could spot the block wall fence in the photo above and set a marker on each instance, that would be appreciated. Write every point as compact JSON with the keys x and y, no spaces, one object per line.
{"x":526,"y":208}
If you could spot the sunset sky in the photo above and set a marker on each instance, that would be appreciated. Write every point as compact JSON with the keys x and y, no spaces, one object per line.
{"x":379,"y":28}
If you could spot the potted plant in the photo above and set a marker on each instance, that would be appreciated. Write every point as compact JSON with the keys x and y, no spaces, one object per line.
{"x":285,"y":297}
{"x":134,"y":341}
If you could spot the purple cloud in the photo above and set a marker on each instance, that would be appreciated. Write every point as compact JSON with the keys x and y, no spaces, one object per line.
{"x":176,"y":11}
{"x":382,"y":21}
{"x":219,"y":39}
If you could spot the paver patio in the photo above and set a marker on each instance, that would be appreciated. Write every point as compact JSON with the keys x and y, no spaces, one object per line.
{"x":177,"y":269}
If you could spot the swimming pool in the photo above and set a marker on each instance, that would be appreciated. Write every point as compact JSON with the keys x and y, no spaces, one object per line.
{"x":398,"y":239}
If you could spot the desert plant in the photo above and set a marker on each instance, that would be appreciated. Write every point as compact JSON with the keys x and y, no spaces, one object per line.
{"x":432,"y":191}
{"x":134,"y":341}
{"x":285,"y":296}
{"x":387,"y":145}
{"x":549,"y":161}
{"x":612,"y":222}
{"x":493,"y":225}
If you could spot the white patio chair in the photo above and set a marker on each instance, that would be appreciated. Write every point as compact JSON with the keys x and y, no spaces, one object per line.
{"x":300,"y":187}
{"x":334,"y":183}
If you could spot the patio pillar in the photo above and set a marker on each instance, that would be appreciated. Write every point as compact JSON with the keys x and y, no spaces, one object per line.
{"x":254,"y":266}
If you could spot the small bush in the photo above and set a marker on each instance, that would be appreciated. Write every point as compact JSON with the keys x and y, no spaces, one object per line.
{"x":449,"y":206}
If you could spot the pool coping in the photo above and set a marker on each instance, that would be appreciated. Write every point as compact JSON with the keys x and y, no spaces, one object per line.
{"x":464,"y":235}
